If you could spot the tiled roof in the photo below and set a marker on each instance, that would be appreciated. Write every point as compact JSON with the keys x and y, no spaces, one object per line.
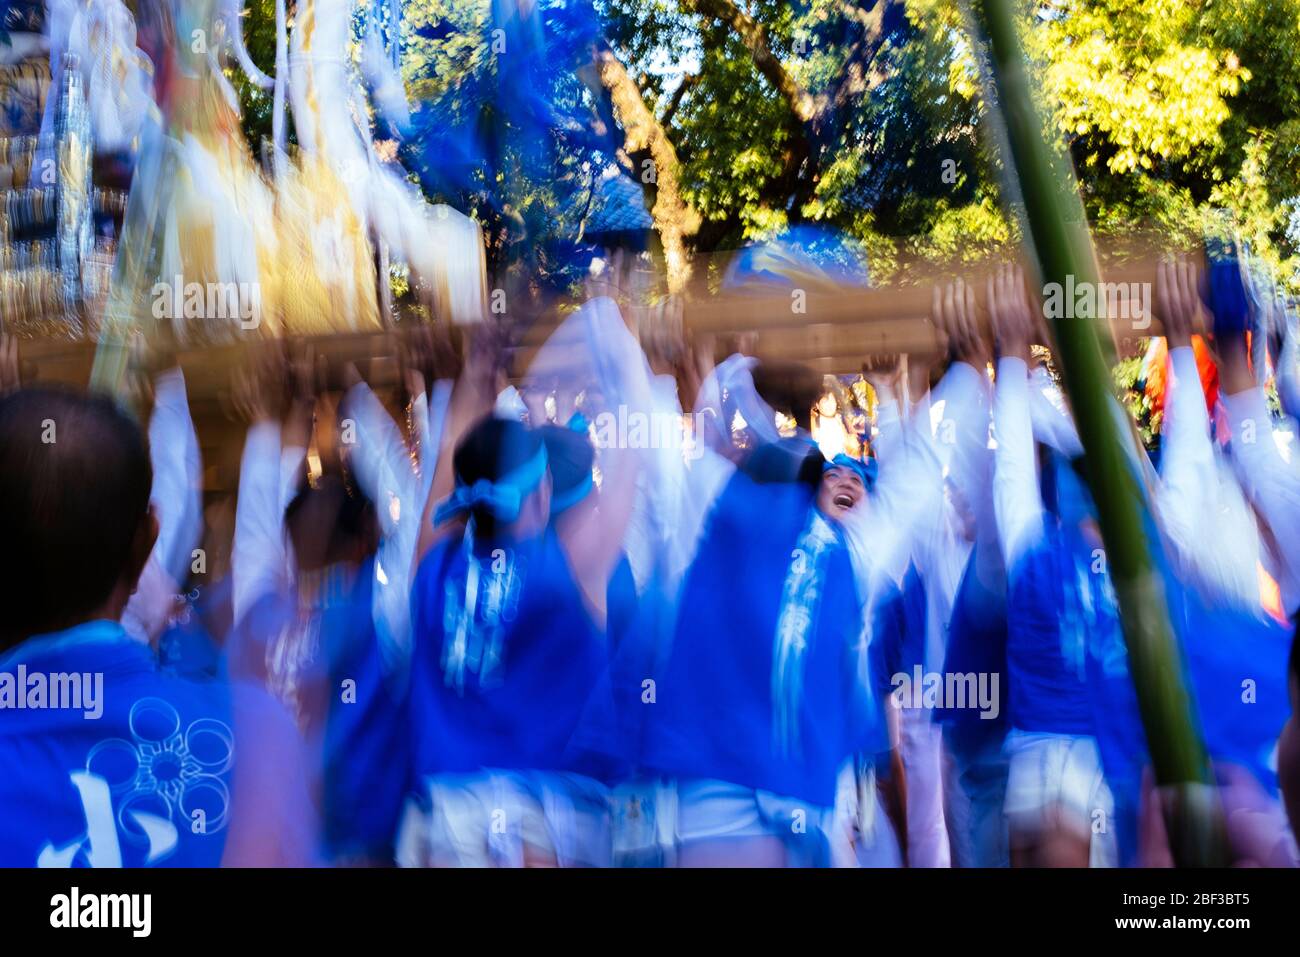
{"x":617,"y":205}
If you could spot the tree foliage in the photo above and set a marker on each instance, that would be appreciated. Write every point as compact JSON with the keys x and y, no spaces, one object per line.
{"x":866,"y":117}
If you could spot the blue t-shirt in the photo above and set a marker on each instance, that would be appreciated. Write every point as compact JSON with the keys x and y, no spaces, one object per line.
{"x":611,"y":732}
{"x":1234,"y":666}
{"x":145,"y":782}
{"x":504,"y":665}
{"x":621,"y":601}
{"x":898,"y":635}
{"x":367,"y":741}
{"x":1047,"y":630}
{"x":724,"y":706}
{"x":977,"y":644}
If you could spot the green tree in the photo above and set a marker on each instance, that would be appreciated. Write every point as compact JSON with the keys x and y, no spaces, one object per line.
{"x":866,"y":117}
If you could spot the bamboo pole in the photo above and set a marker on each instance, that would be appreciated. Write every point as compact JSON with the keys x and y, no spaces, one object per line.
{"x":1061,"y":245}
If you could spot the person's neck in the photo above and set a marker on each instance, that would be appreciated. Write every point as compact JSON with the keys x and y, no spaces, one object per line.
{"x":114,"y":607}
{"x":106,"y":612}
{"x":8,"y":642}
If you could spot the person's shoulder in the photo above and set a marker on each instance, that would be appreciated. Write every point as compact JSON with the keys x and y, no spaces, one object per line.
{"x":764,"y":504}
{"x":166,"y":696}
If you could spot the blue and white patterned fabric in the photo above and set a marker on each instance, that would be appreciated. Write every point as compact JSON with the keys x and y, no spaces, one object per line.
{"x":144,"y":783}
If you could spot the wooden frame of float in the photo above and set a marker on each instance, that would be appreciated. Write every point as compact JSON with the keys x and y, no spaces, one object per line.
{"x":830,"y":332}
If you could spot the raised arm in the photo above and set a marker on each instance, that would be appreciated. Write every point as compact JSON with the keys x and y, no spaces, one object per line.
{"x":906,"y":510}
{"x":882,"y":529}
{"x":387,"y":475}
{"x":963,"y":433}
{"x":472,"y":398}
{"x":380,"y":457}
{"x":1272,"y":485}
{"x":177,"y":474}
{"x":177,"y":502}
{"x":1017,"y":502}
{"x":1187,"y":456}
{"x":424,"y":368}
{"x":887,"y":376}
{"x":260,"y":556}
{"x":707,"y":469}
{"x":595,"y":540}
{"x":961,"y":437}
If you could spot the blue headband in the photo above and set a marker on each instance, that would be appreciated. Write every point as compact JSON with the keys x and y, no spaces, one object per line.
{"x":562,"y":500}
{"x":503,"y":498}
{"x":865,"y":470}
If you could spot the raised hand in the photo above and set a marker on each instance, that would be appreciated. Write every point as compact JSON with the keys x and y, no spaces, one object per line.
{"x":662,"y":338}
{"x":697,"y":366}
{"x":446,"y":362}
{"x":1178,"y":302}
{"x":954,"y":315}
{"x":486,"y":360}
{"x":608,"y":281}
{"x":1014,"y":326}
{"x":886,"y":375}
{"x":415,"y":361}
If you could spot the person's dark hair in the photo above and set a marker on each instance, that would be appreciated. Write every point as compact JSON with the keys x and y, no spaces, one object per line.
{"x":789,"y":388}
{"x":75,"y":481}
{"x":490,"y":450}
{"x":330,"y":522}
{"x":792,"y":459}
{"x":569,"y":455}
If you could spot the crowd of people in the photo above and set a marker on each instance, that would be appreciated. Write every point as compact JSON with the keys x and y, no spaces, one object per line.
{"x":504,"y":632}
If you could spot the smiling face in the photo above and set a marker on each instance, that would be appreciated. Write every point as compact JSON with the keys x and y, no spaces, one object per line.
{"x":840,"y":490}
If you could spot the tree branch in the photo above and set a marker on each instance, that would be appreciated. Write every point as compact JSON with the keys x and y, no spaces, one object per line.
{"x":689,"y":82}
{"x":646,"y":139}
{"x":754,"y":36}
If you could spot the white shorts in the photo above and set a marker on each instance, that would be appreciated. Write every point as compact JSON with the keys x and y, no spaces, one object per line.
{"x":489,"y":818}
{"x":708,"y":809}
{"x":1055,"y":780}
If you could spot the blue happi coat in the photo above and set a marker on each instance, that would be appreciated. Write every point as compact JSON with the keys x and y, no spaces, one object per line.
{"x":766,"y":684}
{"x":506,"y":659}
{"x":145,"y":783}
